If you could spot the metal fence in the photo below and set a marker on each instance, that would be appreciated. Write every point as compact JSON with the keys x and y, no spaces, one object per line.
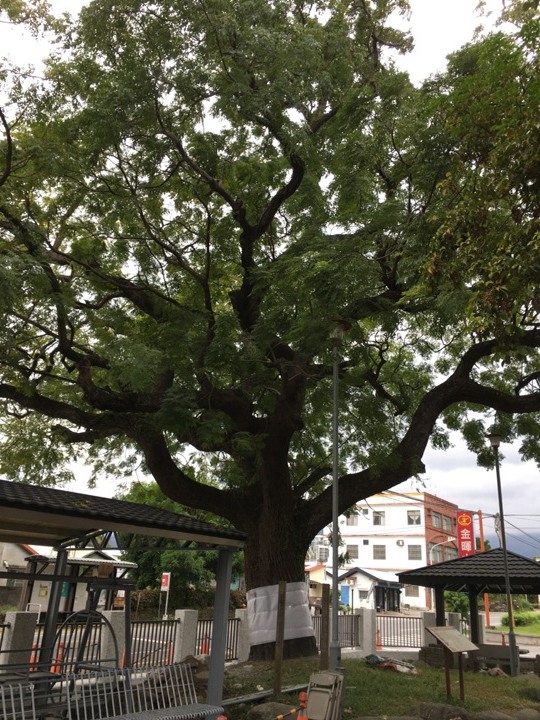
{"x":152,"y":642}
{"x":203,"y":642}
{"x":400,"y":631}
{"x":349,"y":633}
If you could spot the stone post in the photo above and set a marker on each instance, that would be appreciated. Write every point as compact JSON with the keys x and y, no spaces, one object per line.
{"x":186,"y":634}
{"x":430,"y":620}
{"x":453,"y":620}
{"x":244,"y":645}
{"x":109,"y":648}
{"x":367,"y":630}
{"x":18,"y":638}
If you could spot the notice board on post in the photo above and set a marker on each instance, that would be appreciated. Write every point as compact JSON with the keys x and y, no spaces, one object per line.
{"x":452,"y":639}
{"x":453,"y":642}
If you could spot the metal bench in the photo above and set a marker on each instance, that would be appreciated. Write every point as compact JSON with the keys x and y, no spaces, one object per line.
{"x":17,"y":701}
{"x":160,"y":693}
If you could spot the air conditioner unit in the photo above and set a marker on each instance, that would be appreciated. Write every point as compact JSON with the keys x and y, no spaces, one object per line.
{"x":400,"y":543}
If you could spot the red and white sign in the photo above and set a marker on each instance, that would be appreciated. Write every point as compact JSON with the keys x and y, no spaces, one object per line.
{"x":465,"y":533}
{"x":165,"y":581}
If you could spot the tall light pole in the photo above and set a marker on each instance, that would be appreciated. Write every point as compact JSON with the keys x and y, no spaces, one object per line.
{"x":495,"y":441}
{"x":334,"y":654}
{"x":449,"y":539}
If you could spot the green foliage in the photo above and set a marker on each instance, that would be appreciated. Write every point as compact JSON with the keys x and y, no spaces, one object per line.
{"x":192,"y":574}
{"x":522,"y":619}
{"x":457,"y":602}
{"x":191,"y":202}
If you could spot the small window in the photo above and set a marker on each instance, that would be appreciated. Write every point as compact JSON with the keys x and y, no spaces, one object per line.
{"x":322,"y":553}
{"x":365,"y":542}
{"x":413,"y":517}
{"x":364,"y":511}
{"x":352,"y":520}
{"x":379,"y":552}
{"x":447,"y":523}
{"x":352,"y":552}
{"x":436,"y":519}
{"x":363,"y":594}
{"x":412,"y":591}
{"x":415,"y":552}
{"x":378,"y":517}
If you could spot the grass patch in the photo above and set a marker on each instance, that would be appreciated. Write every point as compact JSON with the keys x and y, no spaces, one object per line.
{"x":376,"y":692}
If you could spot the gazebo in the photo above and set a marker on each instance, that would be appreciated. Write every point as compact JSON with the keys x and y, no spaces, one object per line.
{"x":476,"y":574}
{"x":38,"y":515}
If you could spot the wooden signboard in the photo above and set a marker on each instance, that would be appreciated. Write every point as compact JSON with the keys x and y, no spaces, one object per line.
{"x":453,"y":642}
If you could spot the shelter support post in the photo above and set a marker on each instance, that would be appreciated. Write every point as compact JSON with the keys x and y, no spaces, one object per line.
{"x":439,"y":607}
{"x":51,"y":619}
{"x":219,"y":631}
{"x":473,"y":610}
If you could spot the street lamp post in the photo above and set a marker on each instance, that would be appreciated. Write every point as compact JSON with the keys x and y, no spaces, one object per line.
{"x":449,"y":539}
{"x":495,"y":441}
{"x":334,"y":654}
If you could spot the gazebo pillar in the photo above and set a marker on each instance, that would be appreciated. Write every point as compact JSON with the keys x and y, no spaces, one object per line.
{"x":440,"y":618}
{"x":473,"y":611}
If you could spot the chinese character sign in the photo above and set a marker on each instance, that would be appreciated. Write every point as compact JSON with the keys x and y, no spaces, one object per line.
{"x":165,"y":581}
{"x":465,"y":533}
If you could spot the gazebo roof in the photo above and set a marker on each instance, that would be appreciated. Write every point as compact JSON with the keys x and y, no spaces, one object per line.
{"x":485,"y":572}
{"x":47,"y":516}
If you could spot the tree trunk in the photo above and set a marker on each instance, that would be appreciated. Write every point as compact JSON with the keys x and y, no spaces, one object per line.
{"x":278,"y":540}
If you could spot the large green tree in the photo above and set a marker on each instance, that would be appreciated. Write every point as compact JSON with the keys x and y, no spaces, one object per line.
{"x":200,"y":193}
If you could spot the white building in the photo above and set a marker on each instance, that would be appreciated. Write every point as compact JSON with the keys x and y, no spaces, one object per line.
{"x":391,"y":532}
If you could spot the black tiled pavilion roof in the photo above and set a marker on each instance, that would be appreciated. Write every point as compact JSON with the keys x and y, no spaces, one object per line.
{"x":47,"y":516}
{"x":483,"y":571}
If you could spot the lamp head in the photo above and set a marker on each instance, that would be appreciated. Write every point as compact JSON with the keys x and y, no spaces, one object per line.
{"x":494,"y":439}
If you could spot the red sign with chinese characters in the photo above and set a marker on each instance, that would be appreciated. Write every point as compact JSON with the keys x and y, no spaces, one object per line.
{"x":165,"y":581}
{"x":465,"y":533}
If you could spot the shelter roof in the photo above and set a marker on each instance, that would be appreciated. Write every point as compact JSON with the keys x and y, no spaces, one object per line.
{"x":485,"y":572}
{"x":47,"y":516}
{"x":380,"y":576}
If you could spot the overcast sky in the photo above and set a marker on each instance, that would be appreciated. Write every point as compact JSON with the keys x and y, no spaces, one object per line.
{"x":438,"y":27}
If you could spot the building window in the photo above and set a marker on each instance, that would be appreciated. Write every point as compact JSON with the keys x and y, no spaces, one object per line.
{"x":451,"y":553}
{"x":435,"y":553}
{"x":415,"y":552}
{"x":363,"y":594}
{"x":365,"y":542}
{"x":364,"y":511}
{"x":436,"y":519}
{"x":352,"y":552}
{"x":323,"y":552}
{"x":447,"y":523}
{"x":379,"y":552}
{"x":413,"y":517}
{"x":352,"y":520}
{"x":378,"y":517}
{"x":412,"y":591}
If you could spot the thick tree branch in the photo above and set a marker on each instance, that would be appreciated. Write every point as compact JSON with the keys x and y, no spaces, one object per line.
{"x":179,"y":486}
{"x":9,"y":149}
{"x":405,"y":459}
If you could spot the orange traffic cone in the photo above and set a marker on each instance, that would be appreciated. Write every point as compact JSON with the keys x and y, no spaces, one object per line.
{"x":379,"y":641}
{"x":57,"y":666}
{"x":205,"y":646}
{"x":33,"y":658}
{"x":302,"y":701}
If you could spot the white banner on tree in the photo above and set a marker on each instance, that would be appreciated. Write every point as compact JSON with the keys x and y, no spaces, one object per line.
{"x":262,"y":607}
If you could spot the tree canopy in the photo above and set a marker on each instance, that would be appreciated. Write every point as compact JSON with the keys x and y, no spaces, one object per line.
{"x":201,"y":192}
